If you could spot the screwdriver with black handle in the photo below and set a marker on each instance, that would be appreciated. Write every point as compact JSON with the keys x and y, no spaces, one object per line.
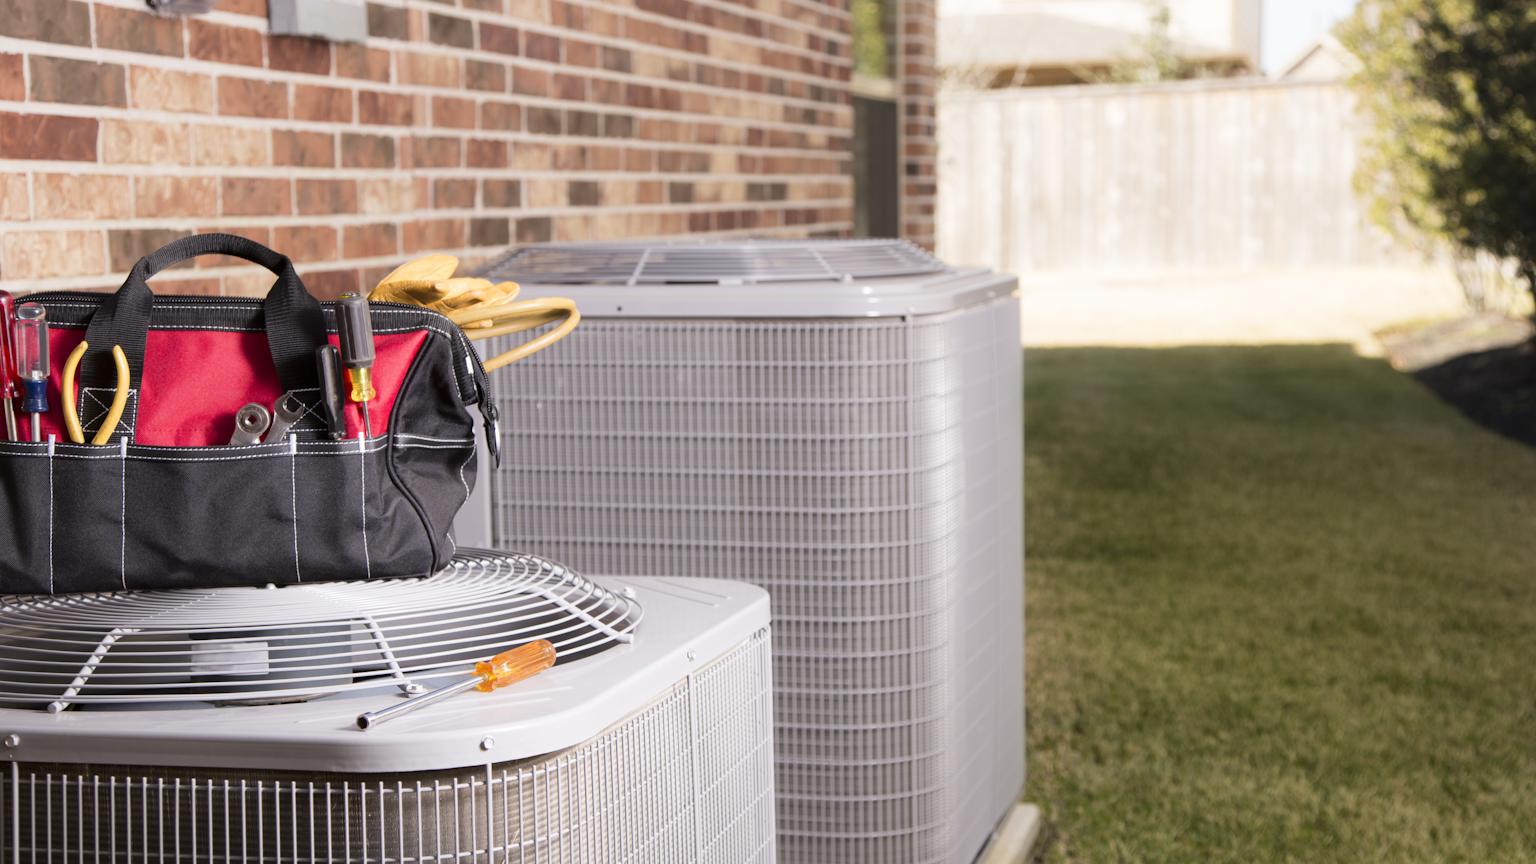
{"x":354,"y":329}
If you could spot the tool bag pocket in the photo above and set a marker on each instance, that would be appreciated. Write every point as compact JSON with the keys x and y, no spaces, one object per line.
{"x":167,"y":501}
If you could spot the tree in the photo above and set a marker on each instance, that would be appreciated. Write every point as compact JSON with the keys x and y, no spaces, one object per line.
{"x":1449,"y":87}
{"x":1157,"y":56}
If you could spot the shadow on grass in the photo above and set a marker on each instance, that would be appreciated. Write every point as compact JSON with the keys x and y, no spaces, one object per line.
{"x":1495,"y":388}
{"x":1280,"y":609}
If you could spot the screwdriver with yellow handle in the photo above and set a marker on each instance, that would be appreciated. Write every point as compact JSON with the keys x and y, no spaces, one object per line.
{"x":508,"y":667}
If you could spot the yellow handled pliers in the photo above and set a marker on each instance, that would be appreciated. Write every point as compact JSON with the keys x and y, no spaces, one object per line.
{"x":119,"y":396}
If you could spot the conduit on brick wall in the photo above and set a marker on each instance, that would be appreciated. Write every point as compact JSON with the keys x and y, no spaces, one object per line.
{"x":455,"y":127}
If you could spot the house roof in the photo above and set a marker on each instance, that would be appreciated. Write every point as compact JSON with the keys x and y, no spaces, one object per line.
{"x":1027,"y":38}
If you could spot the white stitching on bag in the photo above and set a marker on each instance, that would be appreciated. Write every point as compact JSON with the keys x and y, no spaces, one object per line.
{"x":122,"y":551}
{"x":362,"y":462}
{"x":51,"y":440}
{"x":293,"y":480}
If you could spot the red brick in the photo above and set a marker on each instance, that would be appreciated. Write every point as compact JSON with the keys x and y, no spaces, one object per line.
{"x":450,"y":30}
{"x":330,"y":284}
{"x":485,"y":153}
{"x":452,"y":113}
{"x":223,"y":44}
{"x":500,"y":193}
{"x":428,"y":70}
{"x":82,"y":196}
{"x":540,"y":46}
{"x":453,"y":194}
{"x":78,"y":82}
{"x":534,"y":230}
{"x":303,"y":149}
{"x":297,"y":54}
{"x":126,"y":246}
{"x":39,"y":136}
{"x":138,"y":142}
{"x":434,"y":235}
{"x":385,"y":109}
{"x":370,"y":241}
{"x":249,"y":97}
{"x":394,"y":194}
{"x":169,"y":196}
{"x":327,"y":196}
{"x":501,"y":117}
{"x":545,"y":121}
{"x":168,"y":90}
{"x":571,"y":88}
{"x":360,"y":61}
{"x":251,"y":196}
{"x":486,"y":76}
{"x":490,"y":232}
{"x":138,"y":30}
{"x":15,"y":200}
{"x":229,"y":145}
{"x":41,"y":254}
{"x":386,"y":22}
{"x":499,"y":39}
{"x":306,"y":243}
{"x":531,"y":82}
{"x":327,"y":104}
{"x":435,"y":153}
{"x":68,"y":22}
{"x":367,"y":151}
{"x":580,"y":54}
{"x":12,"y":85}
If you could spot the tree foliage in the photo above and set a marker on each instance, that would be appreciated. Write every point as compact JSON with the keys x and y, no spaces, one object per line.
{"x":1449,"y":87}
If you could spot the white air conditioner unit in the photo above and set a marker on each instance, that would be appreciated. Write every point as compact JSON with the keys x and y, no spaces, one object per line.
{"x":219,"y":725}
{"x":839,"y":422}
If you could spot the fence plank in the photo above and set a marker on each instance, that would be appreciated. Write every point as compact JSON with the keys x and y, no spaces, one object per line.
{"x":1194,"y":175}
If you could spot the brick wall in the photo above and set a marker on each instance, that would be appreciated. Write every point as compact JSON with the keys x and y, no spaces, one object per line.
{"x":919,"y":86}
{"x":457,"y":127}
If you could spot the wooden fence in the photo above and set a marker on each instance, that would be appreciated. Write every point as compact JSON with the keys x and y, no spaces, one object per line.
{"x":1210,"y":175}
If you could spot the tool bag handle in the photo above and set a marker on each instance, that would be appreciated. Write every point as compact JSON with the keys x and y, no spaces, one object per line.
{"x":295,"y":322}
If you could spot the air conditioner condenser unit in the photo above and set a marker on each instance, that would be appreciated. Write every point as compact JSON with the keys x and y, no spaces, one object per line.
{"x":839,"y":422}
{"x":219,"y":725}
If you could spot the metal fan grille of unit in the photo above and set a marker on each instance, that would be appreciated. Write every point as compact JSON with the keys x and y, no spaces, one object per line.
{"x":868,"y":473}
{"x":687,"y":779}
{"x":297,"y":641}
{"x":712,"y":263}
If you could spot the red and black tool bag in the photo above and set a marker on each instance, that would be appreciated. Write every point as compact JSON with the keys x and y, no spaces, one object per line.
{"x":170,"y":503}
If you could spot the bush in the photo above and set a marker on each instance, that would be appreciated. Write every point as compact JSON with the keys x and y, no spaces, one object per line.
{"x":1449,"y":87}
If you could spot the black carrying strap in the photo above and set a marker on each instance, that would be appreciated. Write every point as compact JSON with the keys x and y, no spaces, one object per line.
{"x":294,"y":321}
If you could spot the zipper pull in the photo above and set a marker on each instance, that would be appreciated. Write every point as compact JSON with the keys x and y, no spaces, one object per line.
{"x":492,"y":418}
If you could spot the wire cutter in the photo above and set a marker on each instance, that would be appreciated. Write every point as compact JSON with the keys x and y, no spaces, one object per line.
{"x":119,"y":396}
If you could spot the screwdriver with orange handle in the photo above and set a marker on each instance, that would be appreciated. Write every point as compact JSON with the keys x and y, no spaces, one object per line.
{"x":508,"y":667}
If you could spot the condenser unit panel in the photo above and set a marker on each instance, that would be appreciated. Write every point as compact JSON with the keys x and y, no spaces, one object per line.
{"x":840,"y":423}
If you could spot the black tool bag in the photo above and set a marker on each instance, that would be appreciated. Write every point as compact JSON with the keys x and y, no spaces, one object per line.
{"x":169,"y":502}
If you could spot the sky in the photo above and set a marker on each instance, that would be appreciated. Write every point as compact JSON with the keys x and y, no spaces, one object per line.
{"x":1291,"y":26}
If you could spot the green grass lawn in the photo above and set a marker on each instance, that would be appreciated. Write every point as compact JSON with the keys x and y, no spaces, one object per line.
{"x":1281,"y":607}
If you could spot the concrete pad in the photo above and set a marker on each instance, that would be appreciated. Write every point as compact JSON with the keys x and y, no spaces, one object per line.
{"x":1015,"y":838}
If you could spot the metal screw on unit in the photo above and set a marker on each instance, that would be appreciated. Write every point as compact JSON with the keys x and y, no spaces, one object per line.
{"x":692,"y":656}
{"x":12,"y":741}
{"x":487,"y":743}
{"x":629,"y":592}
{"x":413,"y":689}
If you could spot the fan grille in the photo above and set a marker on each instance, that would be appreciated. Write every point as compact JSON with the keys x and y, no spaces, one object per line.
{"x":297,"y":641}
{"x":713,"y":263}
